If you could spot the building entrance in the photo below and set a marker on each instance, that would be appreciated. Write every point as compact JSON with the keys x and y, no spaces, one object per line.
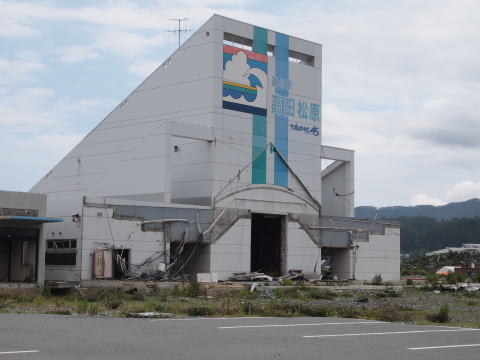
{"x":267,"y":243}
{"x":18,"y":254}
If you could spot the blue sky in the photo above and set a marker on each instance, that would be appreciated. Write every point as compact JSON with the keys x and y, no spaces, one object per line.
{"x":401,"y":82}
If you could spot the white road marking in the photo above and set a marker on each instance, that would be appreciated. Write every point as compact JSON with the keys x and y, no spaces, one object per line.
{"x":212,"y":318}
{"x":19,"y":352}
{"x":389,"y":333}
{"x":306,"y":324}
{"x":443,"y":347}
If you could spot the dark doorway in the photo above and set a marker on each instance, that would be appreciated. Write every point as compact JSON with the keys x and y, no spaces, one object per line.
{"x":18,"y":254}
{"x":267,"y":243}
{"x":4,"y":261}
{"x":121,"y":263}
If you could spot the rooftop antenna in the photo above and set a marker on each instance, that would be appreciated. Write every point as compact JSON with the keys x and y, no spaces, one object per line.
{"x":180,"y":30}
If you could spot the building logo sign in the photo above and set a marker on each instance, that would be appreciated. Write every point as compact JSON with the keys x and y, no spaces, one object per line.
{"x":245,"y":81}
{"x":306,"y":129}
{"x":286,"y":106}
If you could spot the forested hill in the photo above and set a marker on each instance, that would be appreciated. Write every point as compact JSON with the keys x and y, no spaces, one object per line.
{"x":468,"y":209}
{"x":419,"y":235}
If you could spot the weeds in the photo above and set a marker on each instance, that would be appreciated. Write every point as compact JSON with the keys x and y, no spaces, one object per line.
{"x":92,"y":308}
{"x":388,"y":293}
{"x":377,"y":279}
{"x":193,"y":289}
{"x":442,"y":316}
{"x":455,"y":277}
{"x":201,"y":310}
{"x":82,"y":306}
{"x":47,"y":290}
{"x":392,"y":313}
{"x":433,"y":279}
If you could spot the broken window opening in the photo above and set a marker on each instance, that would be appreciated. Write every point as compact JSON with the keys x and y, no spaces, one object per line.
{"x":61,"y":252}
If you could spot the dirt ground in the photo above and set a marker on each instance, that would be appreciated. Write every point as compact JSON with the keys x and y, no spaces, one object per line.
{"x":412,"y":304}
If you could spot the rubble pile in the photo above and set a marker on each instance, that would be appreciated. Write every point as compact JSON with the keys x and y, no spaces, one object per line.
{"x":293,"y":275}
{"x":430,"y":264}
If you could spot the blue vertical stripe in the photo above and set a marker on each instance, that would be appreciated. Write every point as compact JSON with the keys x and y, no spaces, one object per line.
{"x":281,"y":122}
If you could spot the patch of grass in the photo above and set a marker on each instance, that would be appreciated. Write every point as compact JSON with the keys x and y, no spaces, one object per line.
{"x":304,"y":293}
{"x":455,"y":277}
{"x":377,"y":279}
{"x":348,"y":312}
{"x":194,"y":288}
{"x":113,"y":303}
{"x":92,"y":308}
{"x":287,"y":282}
{"x":433,"y":279}
{"x":59,"y":301}
{"x":239,"y":294}
{"x":316,"y":293}
{"x":82,"y":306}
{"x":317,"y":310}
{"x":38,"y":301}
{"x":388,"y":293}
{"x":138,"y":296}
{"x":129,"y":309}
{"x":251,"y":308}
{"x":442,"y":316}
{"x":60,"y":312}
{"x":201,"y":310}
{"x":390,"y":313}
{"x":289,"y":293}
{"x":47,"y":290}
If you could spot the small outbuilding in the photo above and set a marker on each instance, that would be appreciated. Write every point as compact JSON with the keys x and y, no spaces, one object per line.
{"x":22,"y":238}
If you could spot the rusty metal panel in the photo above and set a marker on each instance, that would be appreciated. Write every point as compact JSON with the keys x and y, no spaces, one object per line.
{"x":18,"y":212}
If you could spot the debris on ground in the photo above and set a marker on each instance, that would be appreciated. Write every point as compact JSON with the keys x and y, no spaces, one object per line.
{"x":363,"y":299}
{"x":250,"y":276}
{"x":150,"y":314}
{"x":312,"y":276}
{"x":293,"y":274}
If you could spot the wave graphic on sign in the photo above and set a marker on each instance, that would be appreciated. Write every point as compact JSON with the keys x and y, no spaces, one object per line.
{"x":244,"y":81}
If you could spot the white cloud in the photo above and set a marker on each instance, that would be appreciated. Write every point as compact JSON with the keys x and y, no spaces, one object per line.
{"x":18,"y":69}
{"x":67,"y":105}
{"x":144,"y":67}
{"x":76,"y":54}
{"x":23,"y":110}
{"x":127,"y":43}
{"x":422,"y":199}
{"x":13,"y":30}
{"x":463,"y":190}
{"x":122,"y":14}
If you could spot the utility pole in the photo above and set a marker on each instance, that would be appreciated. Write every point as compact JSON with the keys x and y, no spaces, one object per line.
{"x":180,"y":30}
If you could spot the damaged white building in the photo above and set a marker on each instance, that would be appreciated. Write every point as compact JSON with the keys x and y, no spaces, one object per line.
{"x":214,"y":164}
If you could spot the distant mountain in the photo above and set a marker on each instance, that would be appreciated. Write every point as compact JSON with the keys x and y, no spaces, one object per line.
{"x":469,"y":208}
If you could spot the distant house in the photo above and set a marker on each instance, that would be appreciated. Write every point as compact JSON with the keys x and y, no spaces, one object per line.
{"x":464,"y":248}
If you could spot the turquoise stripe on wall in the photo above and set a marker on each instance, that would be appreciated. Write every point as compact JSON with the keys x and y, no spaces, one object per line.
{"x":259,"y":122}
{"x":281,"y":121}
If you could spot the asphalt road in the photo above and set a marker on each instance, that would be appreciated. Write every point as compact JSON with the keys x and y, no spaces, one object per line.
{"x":35,"y":337}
